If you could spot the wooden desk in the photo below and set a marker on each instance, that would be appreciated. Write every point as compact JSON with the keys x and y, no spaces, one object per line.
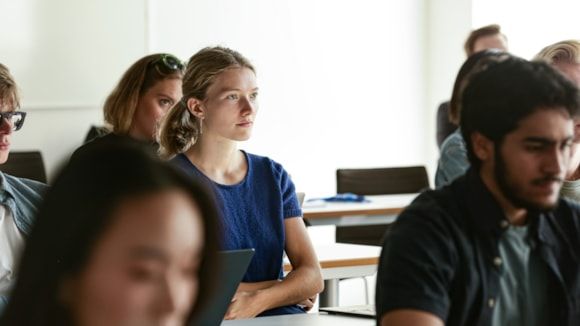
{"x":313,"y":319}
{"x":340,"y":260}
{"x":377,"y":205}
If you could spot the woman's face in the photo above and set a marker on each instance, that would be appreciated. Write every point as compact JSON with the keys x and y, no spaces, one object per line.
{"x":152,"y":106}
{"x":231,"y":104}
{"x":572,"y":72}
{"x":143,"y":270}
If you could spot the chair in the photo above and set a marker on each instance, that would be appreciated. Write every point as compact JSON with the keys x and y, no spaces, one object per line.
{"x":376,"y":181}
{"x":382,"y":181}
{"x":444,"y":126}
{"x":27,"y":164}
{"x":95,"y":132}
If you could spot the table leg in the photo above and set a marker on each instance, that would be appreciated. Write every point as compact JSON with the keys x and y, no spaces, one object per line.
{"x":329,"y":297}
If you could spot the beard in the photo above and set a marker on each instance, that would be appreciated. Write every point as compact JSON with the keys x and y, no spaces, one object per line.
{"x":513,"y":193}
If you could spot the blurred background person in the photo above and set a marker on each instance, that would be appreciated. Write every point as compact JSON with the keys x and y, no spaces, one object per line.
{"x":144,"y":94}
{"x":483,"y":38}
{"x":453,"y":161}
{"x":565,"y":57}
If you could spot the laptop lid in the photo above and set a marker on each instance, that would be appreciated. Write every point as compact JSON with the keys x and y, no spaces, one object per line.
{"x":365,"y":311}
{"x":233,"y":265}
{"x":300,"y":196}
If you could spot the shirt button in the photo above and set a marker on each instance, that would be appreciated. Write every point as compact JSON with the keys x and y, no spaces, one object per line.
{"x":504,"y":224}
{"x":491,"y":302}
{"x":497,"y":261}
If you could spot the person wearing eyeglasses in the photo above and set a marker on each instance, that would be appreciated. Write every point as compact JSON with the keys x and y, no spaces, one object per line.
{"x":259,"y":207}
{"x":144,"y":94}
{"x":19,"y":197}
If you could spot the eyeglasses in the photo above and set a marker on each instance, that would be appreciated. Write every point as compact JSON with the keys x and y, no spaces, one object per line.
{"x":167,"y":64}
{"x":14,"y":118}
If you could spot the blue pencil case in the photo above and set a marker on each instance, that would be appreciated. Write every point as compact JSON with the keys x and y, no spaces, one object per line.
{"x":344,"y":198}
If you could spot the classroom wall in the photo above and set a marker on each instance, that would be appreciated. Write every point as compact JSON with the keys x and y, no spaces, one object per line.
{"x":448,"y":23}
{"x":355,"y":86}
{"x":541,"y":25}
{"x":66,"y":56}
{"x":341,"y":82}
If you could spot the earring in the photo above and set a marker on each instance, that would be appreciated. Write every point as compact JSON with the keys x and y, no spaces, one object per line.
{"x":200,"y":127}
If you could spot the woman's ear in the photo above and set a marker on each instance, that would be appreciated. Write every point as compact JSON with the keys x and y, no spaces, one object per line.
{"x":195,"y":107}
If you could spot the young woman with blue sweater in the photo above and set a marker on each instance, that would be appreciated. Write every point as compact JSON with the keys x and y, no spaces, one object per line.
{"x":259,"y":208}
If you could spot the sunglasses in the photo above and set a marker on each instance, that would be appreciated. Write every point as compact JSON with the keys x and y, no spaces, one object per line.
{"x":167,"y":64}
{"x":14,"y":118}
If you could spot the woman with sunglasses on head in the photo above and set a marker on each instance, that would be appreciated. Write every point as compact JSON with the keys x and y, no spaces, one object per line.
{"x":121,"y":239}
{"x":259,"y":208}
{"x":19,"y":197}
{"x":144,"y":94}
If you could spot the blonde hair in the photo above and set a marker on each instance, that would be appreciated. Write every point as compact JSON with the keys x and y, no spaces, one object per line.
{"x":180,"y":129}
{"x":120,"y":106}
{"x":8,"y":90}
{"x":561,"y":52}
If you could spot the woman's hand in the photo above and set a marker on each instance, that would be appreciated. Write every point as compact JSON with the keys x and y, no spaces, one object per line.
{"x":244,"y":305}
{"x":308,"y":303}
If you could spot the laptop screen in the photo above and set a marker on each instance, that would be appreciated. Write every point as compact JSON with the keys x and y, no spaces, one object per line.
{"x":232,"y":267}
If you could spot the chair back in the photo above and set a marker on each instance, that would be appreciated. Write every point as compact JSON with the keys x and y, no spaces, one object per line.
{"x":382,"y":181}
{"x":376,"y":181}
{"x":28,"y":164}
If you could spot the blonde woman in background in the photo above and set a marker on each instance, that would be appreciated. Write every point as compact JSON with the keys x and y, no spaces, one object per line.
{"x":146,"y":91}
{"x":259,"y":208}
{"x":565,"y":57}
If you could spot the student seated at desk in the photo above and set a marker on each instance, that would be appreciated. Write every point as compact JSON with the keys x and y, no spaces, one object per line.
{"x":147,"y":90}
{"x":497,"y":246}
{"x":257,"y":198}
{"x":121,"y":239}
{"x":19,"y":197}
{"x":453,"y":161}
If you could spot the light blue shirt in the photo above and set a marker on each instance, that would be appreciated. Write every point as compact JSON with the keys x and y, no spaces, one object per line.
{"x":22,"y":197}
{"x":453,"y":161}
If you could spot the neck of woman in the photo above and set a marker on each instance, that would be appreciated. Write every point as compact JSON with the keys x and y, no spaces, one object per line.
{"x":220,"y":160}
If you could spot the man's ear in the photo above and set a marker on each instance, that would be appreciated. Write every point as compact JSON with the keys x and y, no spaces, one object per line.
{"x":195,"y":107}
{"x":482,"y":146}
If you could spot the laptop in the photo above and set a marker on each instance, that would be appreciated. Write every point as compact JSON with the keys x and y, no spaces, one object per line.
{"x":365,"y":311}
{"x":300,"y":196}
{"x":233,"y":265}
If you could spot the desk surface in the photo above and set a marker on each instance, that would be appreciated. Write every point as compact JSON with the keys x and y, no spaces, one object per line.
{"x":376,"y":205}
{"x":340,"y":260}
{"x":343,"y":255}
{"x":302,"y":320}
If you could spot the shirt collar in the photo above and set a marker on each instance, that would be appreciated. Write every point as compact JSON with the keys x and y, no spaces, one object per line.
{"x":484,"y":209}
{"x":5,"y":188}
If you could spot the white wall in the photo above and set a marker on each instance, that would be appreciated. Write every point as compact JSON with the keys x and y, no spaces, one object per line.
{"x":448,"y":23}
{"x":530,"y":25}
{"x":341,"y":82}
{"x":66,"y":56}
